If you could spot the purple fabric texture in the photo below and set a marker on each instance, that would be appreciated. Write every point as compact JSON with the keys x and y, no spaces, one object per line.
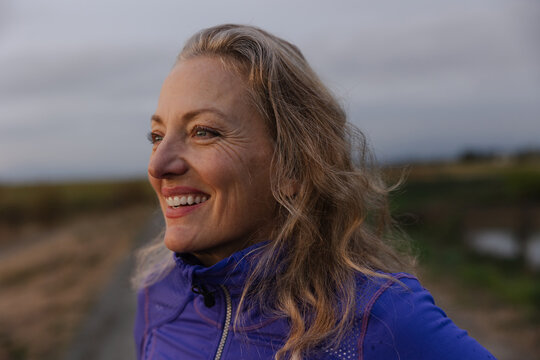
{"x":392,"y":321}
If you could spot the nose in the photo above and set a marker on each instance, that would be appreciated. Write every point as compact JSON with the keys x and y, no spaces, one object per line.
{"x":167,"y":161}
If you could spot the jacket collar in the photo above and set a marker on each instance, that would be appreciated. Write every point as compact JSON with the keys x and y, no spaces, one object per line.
{"x":231,"y":272}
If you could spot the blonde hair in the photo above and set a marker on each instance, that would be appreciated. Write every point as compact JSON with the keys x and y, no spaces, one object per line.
{"x":334,"y":224}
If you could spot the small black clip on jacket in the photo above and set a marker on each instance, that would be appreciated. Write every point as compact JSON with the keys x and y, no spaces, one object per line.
{"x":209,"y":298}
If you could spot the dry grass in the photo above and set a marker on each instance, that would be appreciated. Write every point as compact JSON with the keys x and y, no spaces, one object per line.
{"x":459,"y":170}
{"x":48,"y":285}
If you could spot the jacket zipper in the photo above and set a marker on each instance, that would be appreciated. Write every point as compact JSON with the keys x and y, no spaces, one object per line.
{"x":225,"y":332}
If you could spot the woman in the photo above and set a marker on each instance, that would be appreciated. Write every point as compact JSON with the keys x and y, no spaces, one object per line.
{"x":276,"y":241}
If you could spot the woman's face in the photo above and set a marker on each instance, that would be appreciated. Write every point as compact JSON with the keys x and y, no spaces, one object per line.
{"x":210,"y":162}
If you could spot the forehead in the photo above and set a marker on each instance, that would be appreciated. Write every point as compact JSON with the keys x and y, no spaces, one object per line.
{"x":205,"y":75}
{"x":205,"y":83}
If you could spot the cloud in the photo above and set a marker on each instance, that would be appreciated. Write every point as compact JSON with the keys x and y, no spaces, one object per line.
{"x":80,"y":79}
{"x":454,"y":57}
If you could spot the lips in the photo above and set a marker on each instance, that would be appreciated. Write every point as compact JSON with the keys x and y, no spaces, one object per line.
{"x":181,"y":190}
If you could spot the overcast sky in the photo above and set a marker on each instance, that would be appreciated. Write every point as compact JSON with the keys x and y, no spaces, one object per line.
{"x":80,"y":79}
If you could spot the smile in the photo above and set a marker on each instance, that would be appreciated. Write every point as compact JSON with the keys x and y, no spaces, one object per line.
{"x":185,"y":200}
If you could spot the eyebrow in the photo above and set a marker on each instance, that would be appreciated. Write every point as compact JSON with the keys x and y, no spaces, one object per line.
{"x":190,"y":115}
{"x":156,"y":118}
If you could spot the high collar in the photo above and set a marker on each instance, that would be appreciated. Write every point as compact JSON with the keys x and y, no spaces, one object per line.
{"x":231,"y":272}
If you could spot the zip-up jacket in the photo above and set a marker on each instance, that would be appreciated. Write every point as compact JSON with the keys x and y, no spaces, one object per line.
{"x":189,"y":315}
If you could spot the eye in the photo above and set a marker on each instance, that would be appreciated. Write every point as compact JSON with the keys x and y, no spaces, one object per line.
{"x":204,"y":132}
{"x":154,"y":138}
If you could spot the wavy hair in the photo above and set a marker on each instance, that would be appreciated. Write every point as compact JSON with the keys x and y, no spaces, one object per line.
{"x":333,"y":220}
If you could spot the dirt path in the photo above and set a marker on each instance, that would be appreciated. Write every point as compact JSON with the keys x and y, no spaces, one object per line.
{"x":107,"y":332}
{"x":50,"y":276}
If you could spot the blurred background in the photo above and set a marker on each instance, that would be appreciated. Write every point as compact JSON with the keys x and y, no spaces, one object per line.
{"x":447,"y":93}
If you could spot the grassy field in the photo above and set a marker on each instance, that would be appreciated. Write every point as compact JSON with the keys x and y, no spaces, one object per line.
{"x":59,"y":245}
{"x":54,"y":203}
{"x":439,"y":203}
{"x":60,"y":242}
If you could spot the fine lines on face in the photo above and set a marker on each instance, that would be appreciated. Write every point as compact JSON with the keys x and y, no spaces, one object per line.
{"x":210,"y":162}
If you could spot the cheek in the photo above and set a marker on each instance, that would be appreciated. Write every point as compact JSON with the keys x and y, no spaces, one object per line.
{"x":238,"y":174}
{"x":224,"y":175}
{"x":222,"y":166}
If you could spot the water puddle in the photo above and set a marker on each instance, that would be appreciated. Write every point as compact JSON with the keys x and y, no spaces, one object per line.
{"x":502,"y":243}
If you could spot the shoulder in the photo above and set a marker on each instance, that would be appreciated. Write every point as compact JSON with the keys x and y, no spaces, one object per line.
{"x":401,"y":321}
{"x":159,"y":303}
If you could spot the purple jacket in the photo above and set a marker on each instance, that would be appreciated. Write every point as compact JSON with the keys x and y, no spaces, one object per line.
{"x":189,"y":314}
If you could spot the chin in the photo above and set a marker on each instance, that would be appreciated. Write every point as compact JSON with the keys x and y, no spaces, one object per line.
{"x":175,"y":240}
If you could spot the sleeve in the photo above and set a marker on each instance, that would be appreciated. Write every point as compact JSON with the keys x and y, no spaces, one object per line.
{"x":404,"y":323}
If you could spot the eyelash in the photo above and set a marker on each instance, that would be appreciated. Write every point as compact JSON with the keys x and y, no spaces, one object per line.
{"x":154,"y":138}
{"x":211,"y":132}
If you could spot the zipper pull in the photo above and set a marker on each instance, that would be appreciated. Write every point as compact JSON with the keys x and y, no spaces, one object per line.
{"x":209,"y":298}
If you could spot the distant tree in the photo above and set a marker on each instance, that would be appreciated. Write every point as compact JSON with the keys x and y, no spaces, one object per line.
{"x":472,"y":155}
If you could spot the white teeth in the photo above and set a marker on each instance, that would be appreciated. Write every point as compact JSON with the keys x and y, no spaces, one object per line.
{"x":175,"y":201}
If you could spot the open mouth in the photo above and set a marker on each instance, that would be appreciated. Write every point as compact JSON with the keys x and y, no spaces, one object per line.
{"x":185,"y":200}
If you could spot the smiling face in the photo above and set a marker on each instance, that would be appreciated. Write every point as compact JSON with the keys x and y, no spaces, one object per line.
{"x":210,"y":162}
